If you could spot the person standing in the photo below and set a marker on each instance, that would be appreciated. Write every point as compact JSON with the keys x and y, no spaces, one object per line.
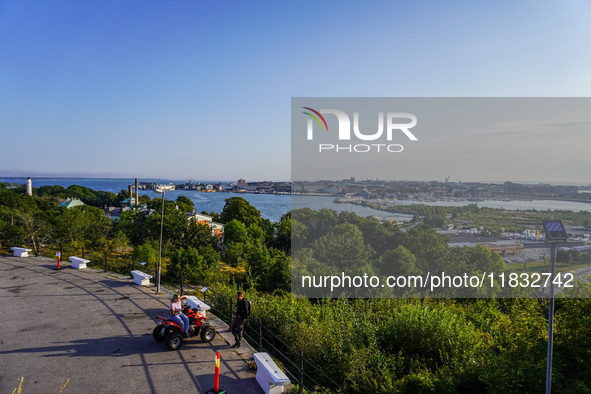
{"x":237,"y":326}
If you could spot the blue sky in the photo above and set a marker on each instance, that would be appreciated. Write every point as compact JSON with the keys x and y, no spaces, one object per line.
{"x":202,"y":90}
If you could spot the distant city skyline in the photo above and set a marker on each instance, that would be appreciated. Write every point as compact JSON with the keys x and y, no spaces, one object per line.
{"x":468,"y":139}
{"x":202,"y":89}
{"x":25,"y":174}
{"x":357,"y":180}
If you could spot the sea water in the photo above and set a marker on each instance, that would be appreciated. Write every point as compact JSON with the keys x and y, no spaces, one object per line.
{"x":273,"y":206}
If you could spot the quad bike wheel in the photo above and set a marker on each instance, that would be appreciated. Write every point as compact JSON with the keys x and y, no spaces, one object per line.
{"x":160,"y":333}
{"x":174,"y":340}
{"x":207,"y":334}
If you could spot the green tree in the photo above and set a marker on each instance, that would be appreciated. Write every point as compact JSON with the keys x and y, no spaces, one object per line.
{"x":198,"y":235}
{"x":343,"y":248}
{"x":399,"y":261}
{"x":35,"y":226}
{"x":283,"y":238}
{"x":430,"y":250}
{"x":185,"y":204}
{"x":10,"y":229}
{"x":174,"y":227}
{"x":516,"y":361}
{"x":299,"y":234}
{"x":122,"y":195}
{"x":211,"y":257}
{"x":479,"y":258}
{"x":382,"y":236}
{"x":279,"y":276}
{"x":235,"y":253}
{"x":133,"y":224}
{"x":145,"y":199}
{"x":187,"y":264}
{"x":82,"y":224}
{"x":270,"y":229}
{"x":235,"y":231}
{"x":566,"y":257}
{"x":259,"y":264}
{"x":572,"y":345}
{"x":240,"y":209}
{"x":270,"y":269}
{"x":148,"y":253}
{"x":309,"y":225}
{"x":256,"y":234}
{"x":52,"y":191}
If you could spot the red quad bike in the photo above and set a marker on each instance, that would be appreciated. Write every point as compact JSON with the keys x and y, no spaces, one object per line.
{"x":170,"y":332}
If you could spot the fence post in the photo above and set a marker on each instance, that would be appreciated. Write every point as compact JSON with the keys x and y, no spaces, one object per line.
{"x":301,"y":373}
{"x":105,"y":252}
{"x":230,"y":314}
{"x":260,"y":335}
{"x":181,"y":282}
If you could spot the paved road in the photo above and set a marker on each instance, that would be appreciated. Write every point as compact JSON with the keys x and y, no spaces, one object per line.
{"x":92,"y":333}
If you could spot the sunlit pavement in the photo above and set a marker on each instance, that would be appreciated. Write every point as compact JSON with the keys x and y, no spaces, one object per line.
{"x":85,"y":331}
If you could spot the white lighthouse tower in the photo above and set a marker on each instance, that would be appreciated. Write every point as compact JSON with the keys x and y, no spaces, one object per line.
{"x":29,"y":187}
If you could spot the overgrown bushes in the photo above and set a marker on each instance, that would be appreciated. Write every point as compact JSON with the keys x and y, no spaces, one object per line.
{"x":436,"y":345}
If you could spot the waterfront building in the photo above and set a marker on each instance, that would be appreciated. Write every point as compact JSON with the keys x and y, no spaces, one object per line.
{"x":128,"y":202}
{"x":70,"y":203}
{"x":217,"y":229}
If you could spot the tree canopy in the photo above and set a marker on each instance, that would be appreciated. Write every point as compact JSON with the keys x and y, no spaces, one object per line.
{"x":239,"y":209}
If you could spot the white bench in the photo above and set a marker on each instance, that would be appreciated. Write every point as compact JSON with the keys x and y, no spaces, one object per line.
{"x":269,"y":376}
{"x":78,"y":262}
{"x":195,"y":302}
{"x":141,"y":278}
{"x":21,"y":252}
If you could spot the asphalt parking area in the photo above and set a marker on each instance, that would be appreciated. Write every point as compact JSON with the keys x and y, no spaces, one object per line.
{"x":84,"y":331}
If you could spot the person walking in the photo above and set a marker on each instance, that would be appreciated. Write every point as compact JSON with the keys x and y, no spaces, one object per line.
{"x":241,"y":312}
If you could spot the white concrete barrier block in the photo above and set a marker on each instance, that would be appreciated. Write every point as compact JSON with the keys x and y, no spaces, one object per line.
{"x":269,"y":376}
{"x":141,"y":278}
{"x":195,"y":302}
{"x":21,"y":252}
{"x":78,"y":262}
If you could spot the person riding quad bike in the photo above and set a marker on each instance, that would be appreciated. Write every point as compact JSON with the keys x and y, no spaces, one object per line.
{"x":171,"y":332}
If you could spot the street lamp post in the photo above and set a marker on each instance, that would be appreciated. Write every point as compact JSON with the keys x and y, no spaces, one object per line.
{"x":160,"y":251}
{"x":550,"y":321}
{"x":555,"y":232}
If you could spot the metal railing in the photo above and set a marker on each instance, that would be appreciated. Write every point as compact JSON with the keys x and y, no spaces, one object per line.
{"x":296,"y":366}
